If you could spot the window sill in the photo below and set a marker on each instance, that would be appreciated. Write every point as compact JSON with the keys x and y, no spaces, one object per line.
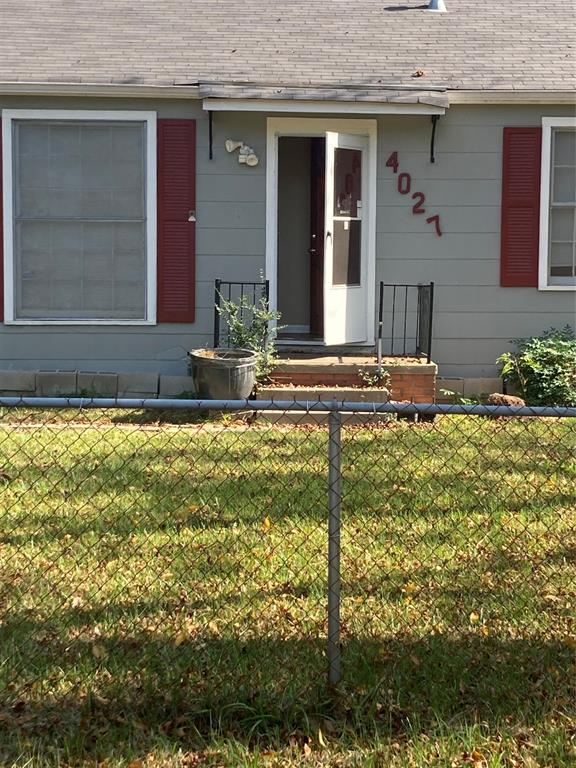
{"x":93,"y":323}
{"x":557,"y":288}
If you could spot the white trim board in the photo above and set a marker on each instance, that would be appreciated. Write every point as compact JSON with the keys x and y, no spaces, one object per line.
{"x":548,"y":124}
{"x":319,"y":107}
{"x":317,"y":126}
{"x":511,"y":97}
{"x":115,"y":90}
{"x":8,"y":115}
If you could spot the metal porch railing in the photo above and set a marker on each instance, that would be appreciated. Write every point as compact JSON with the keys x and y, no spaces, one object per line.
{"x":405,"y":319}
{"x":239,"y":292}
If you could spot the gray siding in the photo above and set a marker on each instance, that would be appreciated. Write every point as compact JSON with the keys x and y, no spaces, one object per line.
{"x":475,"y":317}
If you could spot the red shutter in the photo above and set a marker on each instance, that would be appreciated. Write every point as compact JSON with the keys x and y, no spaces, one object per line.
{"x":176,"y":234}
{"x":520,"y":206}
{"x":1,"y":237}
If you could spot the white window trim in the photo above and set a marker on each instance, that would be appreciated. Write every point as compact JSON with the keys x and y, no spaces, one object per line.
{"x":548,"y":124}
{"x":8,"y":115}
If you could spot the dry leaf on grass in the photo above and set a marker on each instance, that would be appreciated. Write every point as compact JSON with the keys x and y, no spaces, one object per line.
{"x":99,"y":652}
{"x":180,"y":638}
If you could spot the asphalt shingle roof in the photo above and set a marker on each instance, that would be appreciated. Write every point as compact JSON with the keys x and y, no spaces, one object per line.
{"x":478,"y":44}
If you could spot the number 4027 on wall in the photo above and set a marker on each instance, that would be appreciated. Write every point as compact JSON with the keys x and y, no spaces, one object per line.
{"x":405,"y":187}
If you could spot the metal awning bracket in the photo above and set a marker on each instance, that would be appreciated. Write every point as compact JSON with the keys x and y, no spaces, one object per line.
{"x":435,"y":119}
{"x":210,"y":135}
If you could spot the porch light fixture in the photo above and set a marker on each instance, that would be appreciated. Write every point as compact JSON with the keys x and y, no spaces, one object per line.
{"x":437,"y":5}
{"x":246,"y":154}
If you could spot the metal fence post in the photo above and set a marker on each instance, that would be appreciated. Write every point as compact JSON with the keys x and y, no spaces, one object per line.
{"x":217,"y":297}
{"x":334,"y":522}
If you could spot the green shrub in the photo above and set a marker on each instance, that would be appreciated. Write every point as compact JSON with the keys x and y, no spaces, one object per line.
{"x":543,"y":368}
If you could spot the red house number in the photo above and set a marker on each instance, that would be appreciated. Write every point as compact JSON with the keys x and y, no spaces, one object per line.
{"x":405,"y":187}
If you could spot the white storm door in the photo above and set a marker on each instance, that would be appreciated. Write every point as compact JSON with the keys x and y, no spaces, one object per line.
{"x":345,"y":252}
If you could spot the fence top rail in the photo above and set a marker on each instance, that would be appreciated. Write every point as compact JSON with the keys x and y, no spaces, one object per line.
{"x":303,"y":406}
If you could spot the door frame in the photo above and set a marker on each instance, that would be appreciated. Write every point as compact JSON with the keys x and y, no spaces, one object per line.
{"x":309,"y":127}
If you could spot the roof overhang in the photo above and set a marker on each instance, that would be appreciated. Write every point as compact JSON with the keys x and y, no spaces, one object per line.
{"x":361,"y":100}
{"x":116,"y":90}
{"x":320,"y":107}
{"x":323,"y":99}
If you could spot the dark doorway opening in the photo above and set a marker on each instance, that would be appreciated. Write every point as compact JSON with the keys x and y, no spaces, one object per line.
{"x":301,"y":189}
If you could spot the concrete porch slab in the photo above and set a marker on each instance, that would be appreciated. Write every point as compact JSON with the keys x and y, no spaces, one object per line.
{"x":323,"y":394}
{"x":350,"y":363}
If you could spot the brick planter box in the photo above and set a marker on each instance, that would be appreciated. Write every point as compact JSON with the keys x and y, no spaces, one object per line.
{"x":413,"y":382}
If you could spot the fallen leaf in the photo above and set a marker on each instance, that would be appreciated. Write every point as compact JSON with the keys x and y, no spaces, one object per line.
{"x":321,"y":739}
{"x":307,"y":750}
{"x":180,"y":638}
{"x":266,"y":524}
{"x":474,"y":617}
{"x":478,"y":759}
{"x":98,"y":651}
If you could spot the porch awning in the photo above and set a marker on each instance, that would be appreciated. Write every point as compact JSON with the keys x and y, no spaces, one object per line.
{"x":374,"y":100}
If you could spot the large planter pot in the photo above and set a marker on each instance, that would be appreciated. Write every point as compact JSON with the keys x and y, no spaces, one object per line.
{"x":223,"y":374}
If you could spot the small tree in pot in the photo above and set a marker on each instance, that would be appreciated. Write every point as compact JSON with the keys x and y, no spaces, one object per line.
{"x":233,"y":372}
{"x":258,"y":334}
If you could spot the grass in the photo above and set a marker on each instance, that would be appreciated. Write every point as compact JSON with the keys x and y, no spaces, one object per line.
{"x":162,"y":593}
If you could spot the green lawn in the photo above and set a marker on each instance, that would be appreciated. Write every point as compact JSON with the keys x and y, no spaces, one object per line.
{"x":162,"y":593}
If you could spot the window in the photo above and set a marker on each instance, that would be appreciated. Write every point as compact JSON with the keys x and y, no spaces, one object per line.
{"x":81,"y":230}
{"x":558,"y":205}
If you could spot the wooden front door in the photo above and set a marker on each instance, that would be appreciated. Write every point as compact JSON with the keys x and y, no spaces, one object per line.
{"x":317,"y":235}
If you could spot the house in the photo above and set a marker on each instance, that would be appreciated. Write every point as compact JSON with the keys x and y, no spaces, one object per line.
{"x":152,"y":146}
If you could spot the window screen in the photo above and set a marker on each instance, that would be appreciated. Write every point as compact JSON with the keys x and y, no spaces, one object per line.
{"x":80,"y":220}
{"x":347,"y":234}
{"x":563,"y":208}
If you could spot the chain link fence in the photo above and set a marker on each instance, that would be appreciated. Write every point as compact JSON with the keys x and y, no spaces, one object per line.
{"x":161,"y":563}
